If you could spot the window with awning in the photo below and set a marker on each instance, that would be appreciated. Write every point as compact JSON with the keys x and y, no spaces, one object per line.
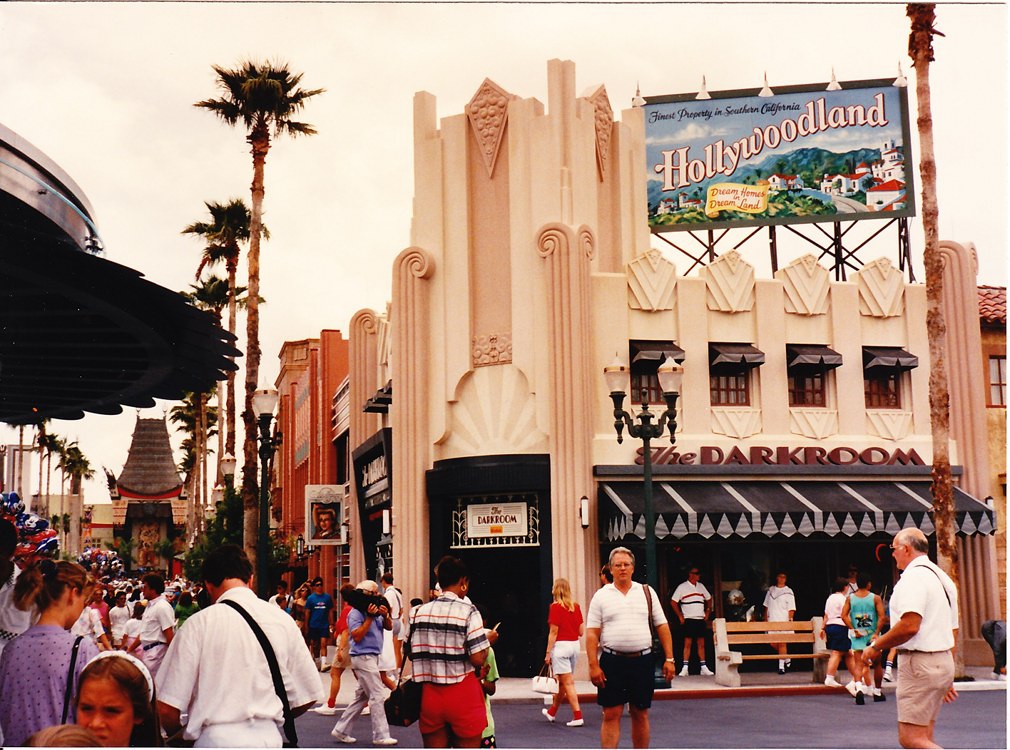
{"x":807,"y":366}
{"x":878,"y":358}
{"x":646,"y":357}
{"x":882,"y":375}
{"x":782,"y":509}
{"x":729,"y":368}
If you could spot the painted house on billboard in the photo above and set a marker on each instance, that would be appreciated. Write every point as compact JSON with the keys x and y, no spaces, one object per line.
{"x":887,"y":196}
{"x":779,"y":182}
{"x":891,"y":165}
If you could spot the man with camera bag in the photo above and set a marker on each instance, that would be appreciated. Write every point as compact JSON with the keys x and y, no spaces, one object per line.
{"x":366,"y":632}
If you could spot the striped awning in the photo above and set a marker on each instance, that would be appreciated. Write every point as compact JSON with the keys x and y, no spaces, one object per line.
{"x":781,"y":509}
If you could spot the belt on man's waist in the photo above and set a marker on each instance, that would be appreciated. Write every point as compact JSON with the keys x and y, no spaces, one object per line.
{"x":627,"y":654}
{"x":149,"y":646}
{"x":920,"y":651}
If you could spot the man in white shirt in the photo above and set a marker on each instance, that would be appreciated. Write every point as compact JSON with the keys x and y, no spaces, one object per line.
{"x":780,"y":606}
{"x":617,"y":624}
{"x":157,"y":626}
{"x":395,"y":599}
{"x":924,"y":623}
{"x":13,"y":621}
{"x":692,"y":604}
{"x":119,"y":615}
{"x":281,"y":598}
{"x":216,"y":673}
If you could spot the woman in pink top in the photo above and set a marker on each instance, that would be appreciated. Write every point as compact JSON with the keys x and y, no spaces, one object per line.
{"x":565,"y":619}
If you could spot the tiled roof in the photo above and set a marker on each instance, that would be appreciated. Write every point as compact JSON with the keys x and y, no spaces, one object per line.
{"x":150,"y":466}
{"x":992,"y":304}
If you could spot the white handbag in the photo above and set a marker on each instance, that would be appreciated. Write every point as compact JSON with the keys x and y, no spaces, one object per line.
{"x":545,"y":682}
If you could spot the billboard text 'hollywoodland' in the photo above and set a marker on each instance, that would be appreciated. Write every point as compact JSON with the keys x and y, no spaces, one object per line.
{"x":803,"y":154}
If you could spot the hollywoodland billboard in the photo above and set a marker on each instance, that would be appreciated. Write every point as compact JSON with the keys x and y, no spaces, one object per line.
{"x":802,"y":155}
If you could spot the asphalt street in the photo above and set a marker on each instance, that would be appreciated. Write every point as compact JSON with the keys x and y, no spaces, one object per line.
{"x":977,"y":719}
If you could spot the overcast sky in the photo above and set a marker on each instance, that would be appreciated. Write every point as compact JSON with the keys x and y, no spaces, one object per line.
{"x":106,"y":90}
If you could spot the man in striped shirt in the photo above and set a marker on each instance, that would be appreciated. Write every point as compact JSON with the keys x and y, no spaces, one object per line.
{"x":448,"y":648}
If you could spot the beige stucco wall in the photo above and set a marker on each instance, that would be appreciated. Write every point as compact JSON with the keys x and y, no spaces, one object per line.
{"x":994,"y":342}
{"x":507,"y":357}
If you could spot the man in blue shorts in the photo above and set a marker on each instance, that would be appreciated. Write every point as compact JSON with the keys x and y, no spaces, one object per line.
{"x":318,"y":622}
{"x":618,"y":624}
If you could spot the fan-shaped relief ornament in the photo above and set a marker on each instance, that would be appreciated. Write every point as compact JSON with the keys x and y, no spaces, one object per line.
{"x":487,"y":112}
{"x":813,"y":423}
{"x":736,"y":422}
{"x":603,"y":116}
{"x":889,"y":424}
{"x":652,"y":280}
{"x":881,"y":289}
{"x":806,"y":284}
{"x":730,"y":284}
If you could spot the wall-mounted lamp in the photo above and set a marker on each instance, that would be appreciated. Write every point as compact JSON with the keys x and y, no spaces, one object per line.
{"x":345,"y":533}
{"x":387,"y":524}
{"x":584,"y":511}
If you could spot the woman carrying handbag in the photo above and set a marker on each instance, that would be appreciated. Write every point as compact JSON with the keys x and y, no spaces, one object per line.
{"x":567,"y":627}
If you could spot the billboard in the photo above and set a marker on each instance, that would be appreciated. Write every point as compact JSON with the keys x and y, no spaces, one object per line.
{"x":324,"y":513}
{"x":804,"y":154}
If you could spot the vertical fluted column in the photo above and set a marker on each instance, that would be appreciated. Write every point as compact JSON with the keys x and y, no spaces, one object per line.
{"x":411,"y":326}
{"x":567,"y":255}
{"x":362,"y":384}
{"x":967,"y":379}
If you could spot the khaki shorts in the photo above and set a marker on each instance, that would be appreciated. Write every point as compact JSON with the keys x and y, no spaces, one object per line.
{"x":341,"y":659}
{"x":923,"y":680}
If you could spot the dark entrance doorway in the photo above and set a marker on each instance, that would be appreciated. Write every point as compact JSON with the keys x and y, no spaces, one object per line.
{"x":506,"y":586}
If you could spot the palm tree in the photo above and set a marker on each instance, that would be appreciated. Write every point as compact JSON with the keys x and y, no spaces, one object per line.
{"x":225,"y":234}
{"x":920,"y":49}
{"x":262,"y":97}
{"x":195,"y":419}
{"x":43,"y":441}
{"x":77,"y":466}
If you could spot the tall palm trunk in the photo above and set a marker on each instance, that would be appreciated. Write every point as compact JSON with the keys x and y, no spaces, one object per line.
{"x":229,"y":445}
{"x":43,"y":507}
{"x":259,"y":140}
{"x":20,"y":480}
{"x":920,"y":49}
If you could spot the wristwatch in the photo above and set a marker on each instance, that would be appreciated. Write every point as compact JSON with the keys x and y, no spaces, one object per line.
{"x":670,"y":658}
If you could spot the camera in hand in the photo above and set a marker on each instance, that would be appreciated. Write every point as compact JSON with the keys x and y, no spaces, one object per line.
{"x":361,"y":599}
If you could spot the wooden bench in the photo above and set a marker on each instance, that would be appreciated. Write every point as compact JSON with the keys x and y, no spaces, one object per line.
{"x":729,"y":634}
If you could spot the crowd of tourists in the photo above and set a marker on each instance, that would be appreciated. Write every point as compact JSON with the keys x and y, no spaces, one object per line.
{"x":143,"y":662}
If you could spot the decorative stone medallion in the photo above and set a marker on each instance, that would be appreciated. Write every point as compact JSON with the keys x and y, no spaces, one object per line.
{"x":488,"y":112}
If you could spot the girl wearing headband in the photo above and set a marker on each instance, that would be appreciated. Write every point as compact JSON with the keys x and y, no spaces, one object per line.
{"x":115,"y":700}
{"x":35,"y":667}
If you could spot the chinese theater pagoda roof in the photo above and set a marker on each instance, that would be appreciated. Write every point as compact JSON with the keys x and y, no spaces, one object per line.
{"x":79,"y":333}
{"x":150,"y":472}
{"x":992,"y":304}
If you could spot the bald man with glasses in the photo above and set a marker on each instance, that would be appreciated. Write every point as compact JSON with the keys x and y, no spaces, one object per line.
{"x":924,"y":622}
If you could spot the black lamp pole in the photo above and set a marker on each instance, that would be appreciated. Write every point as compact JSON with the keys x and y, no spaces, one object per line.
{"x":266,"y":451}
{"x":641,"y":426}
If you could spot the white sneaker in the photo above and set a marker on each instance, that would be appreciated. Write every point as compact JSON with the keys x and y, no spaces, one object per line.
{"x":852,"y":688}
{"x":575,"y":723}
{"x":325,"y":710}
{"x":547,"y":714}
{"x":706,"y":672}
{"x":387,"y":741}
{"x":683,"y":671}
{"x":887,"y":675}
{"x":1001,"y":677}
{"x":366,"y":711}
{"x":830,"y":681}
{"x":341,"y":737}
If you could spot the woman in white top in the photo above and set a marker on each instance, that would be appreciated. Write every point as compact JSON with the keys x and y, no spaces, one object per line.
{"x":836,"y":635}
{"x":780,"y":606}
{"x":131,"y":631}
{"x":119,"y":615}
{"x":89,"y":624}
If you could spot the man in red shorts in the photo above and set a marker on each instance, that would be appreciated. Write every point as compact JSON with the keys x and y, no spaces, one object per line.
{"x":448,"y":649}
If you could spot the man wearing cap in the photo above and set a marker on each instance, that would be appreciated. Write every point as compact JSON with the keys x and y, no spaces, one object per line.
{"x":319,"y":622}
{"x":924,"y":623}
{"x":366,"y":636}
{"x":216,"y":673}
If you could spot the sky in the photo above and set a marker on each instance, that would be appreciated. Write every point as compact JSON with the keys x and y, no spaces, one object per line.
{"x":106,"y":90}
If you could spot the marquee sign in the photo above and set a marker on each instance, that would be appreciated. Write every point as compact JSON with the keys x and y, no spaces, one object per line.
{"x":802,"y":155}
{"x":761,"y":455}
{"x":496,"y":520}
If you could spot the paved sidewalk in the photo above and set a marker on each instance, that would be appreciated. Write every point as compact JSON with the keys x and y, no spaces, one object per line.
{"x":517,"y":689}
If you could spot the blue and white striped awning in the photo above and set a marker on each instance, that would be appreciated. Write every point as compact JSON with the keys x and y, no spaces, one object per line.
{"x":705,"y":509}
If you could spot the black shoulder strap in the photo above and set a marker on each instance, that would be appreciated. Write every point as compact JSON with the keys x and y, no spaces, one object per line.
{"x":70,"y":678}
{"x":275,"y":672}
{"x":942,"y":585}
{"x":648,"y":600}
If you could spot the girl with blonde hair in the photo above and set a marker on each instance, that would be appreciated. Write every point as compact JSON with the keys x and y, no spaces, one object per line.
{"x":567,"y":626}
{"x":39,"y":668}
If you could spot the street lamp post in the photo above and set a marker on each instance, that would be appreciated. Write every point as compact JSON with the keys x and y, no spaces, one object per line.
{"x":263,"y":403}
{"x":641,"y":426}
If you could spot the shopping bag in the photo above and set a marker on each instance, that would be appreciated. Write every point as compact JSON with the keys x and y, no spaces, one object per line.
{"x":545,"y":682}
